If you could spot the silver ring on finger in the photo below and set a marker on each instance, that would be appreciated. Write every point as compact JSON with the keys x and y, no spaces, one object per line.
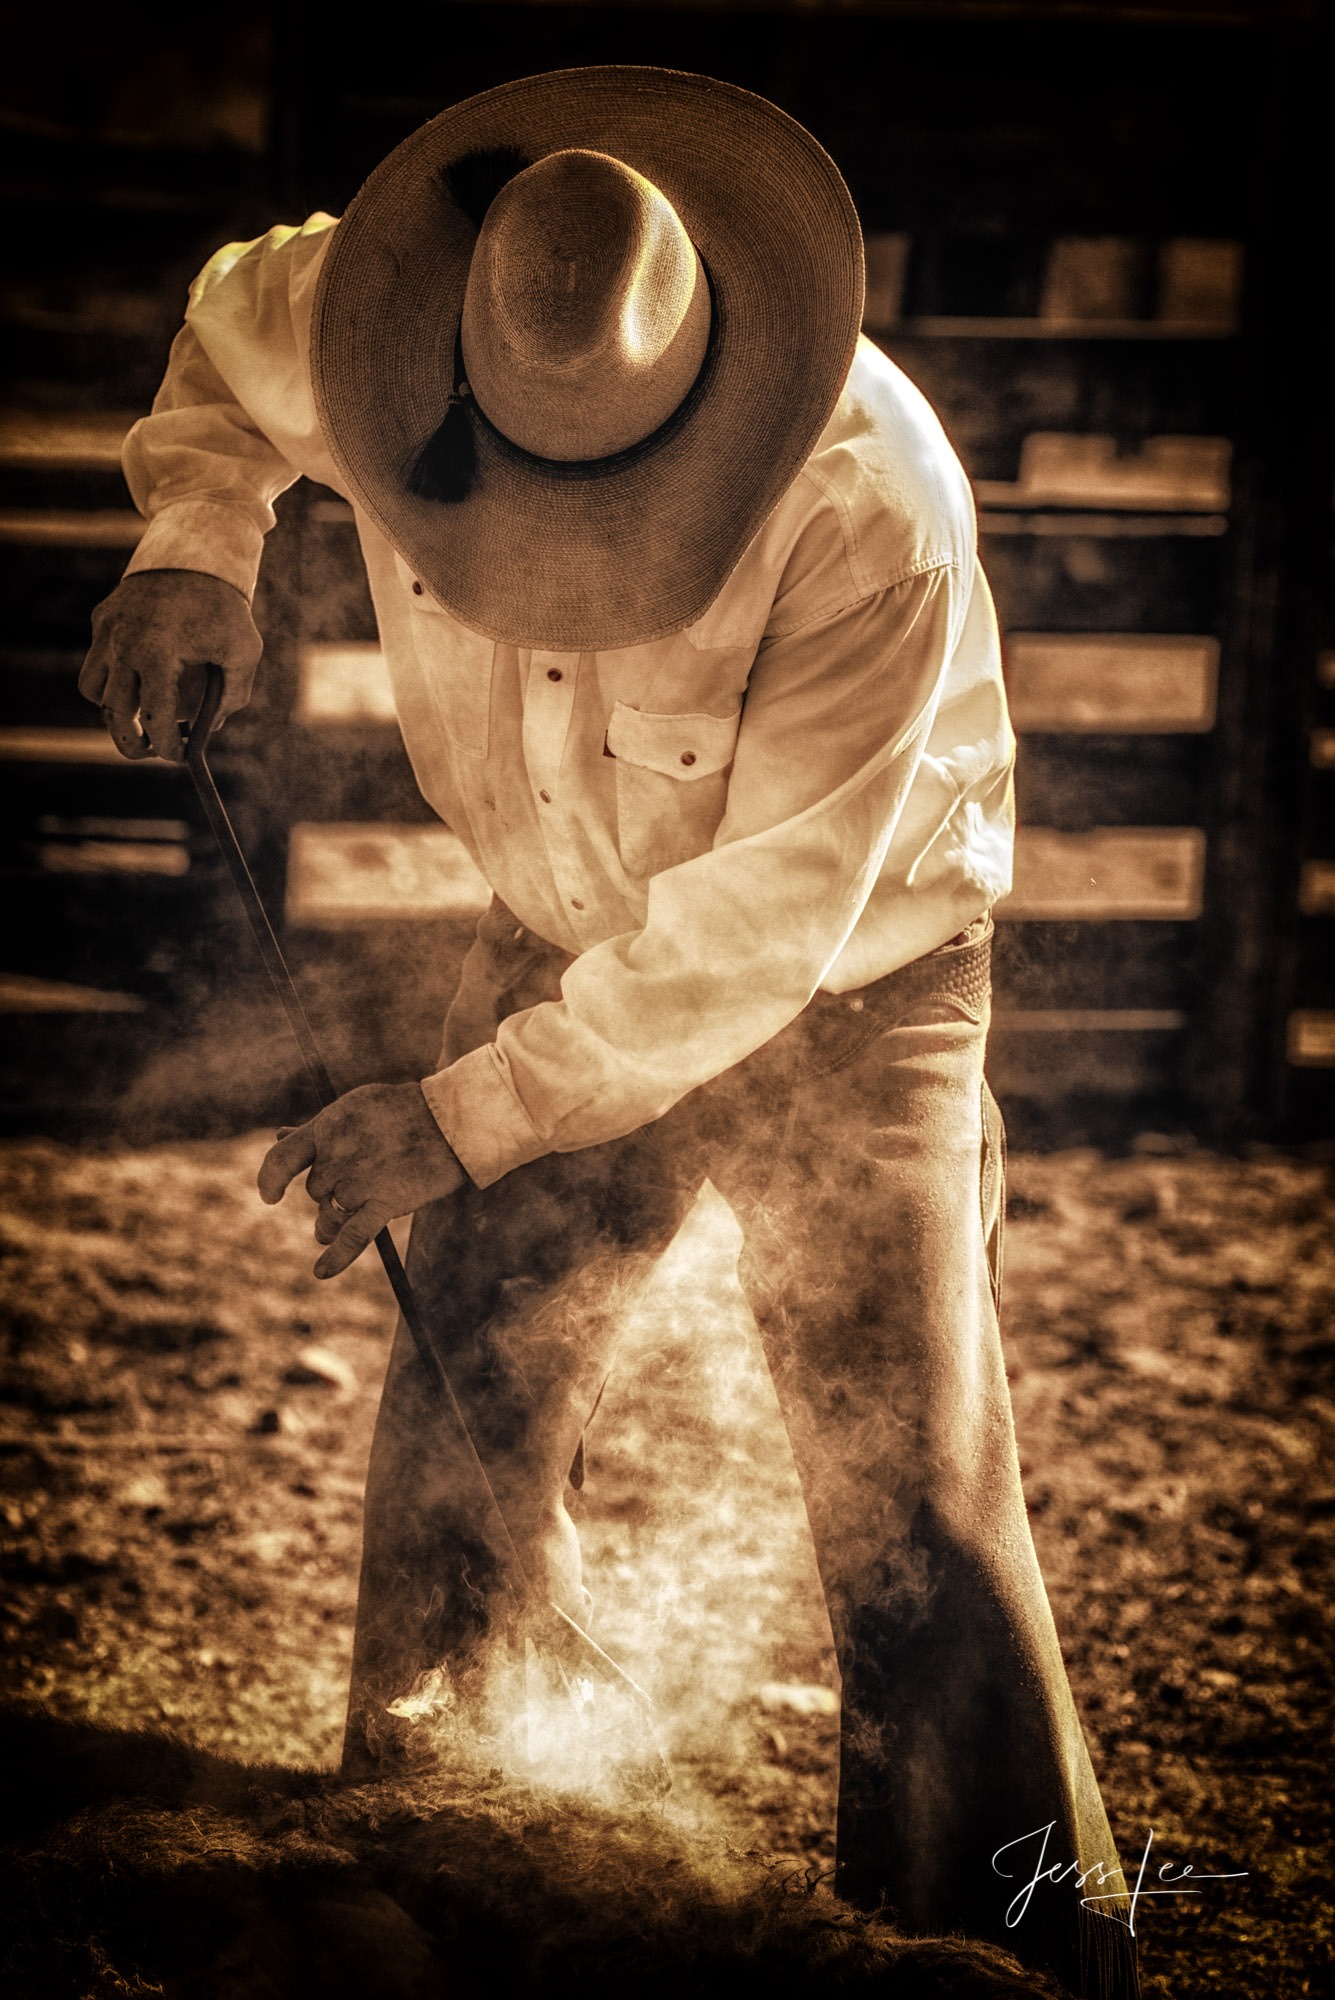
{"x":337,"y":1206}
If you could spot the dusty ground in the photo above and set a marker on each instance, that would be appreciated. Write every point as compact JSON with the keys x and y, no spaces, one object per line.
{"x":186,"y":1415}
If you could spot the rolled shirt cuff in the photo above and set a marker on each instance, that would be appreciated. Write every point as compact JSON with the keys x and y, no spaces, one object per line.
{"x":475,"y":1106}
{"x":202,"y":535}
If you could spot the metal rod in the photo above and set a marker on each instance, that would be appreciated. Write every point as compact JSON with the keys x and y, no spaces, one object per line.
{"x":558,"y":1627}
{"x":322,"y":1084}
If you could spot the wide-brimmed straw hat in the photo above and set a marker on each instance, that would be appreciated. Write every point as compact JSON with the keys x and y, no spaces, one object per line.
{"x":573,"y":340}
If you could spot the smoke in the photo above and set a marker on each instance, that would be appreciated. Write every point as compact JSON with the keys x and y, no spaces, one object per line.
{"x":693,"y":1534}
{"x":539,"y":1724}
{"x":223,"y":1060}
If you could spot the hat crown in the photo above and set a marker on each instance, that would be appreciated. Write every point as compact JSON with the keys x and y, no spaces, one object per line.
{"x":586,"y":315}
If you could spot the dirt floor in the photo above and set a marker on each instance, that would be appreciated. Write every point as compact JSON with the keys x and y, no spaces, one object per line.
{"x":186,"y":1414}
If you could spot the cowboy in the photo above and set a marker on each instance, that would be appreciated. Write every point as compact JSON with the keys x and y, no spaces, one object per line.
{"x":676,"y":580}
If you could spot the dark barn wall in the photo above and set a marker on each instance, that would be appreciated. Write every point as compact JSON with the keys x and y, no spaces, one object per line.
{"x":981,"y":144}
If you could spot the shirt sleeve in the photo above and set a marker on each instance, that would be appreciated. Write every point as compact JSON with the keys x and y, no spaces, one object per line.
{"x":737,"y":940}
{"x":233,"y":424}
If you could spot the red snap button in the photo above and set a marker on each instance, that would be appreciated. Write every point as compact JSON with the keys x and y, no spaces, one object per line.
{"x":553,"y":673}
{"x":417,"y":589}
{"x":688,"y":756}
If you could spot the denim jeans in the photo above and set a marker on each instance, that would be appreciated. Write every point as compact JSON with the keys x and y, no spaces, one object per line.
{"x":863,"y":1155}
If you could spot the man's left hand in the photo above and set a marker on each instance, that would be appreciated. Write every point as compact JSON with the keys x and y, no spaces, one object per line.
{"x":374,"y":1154}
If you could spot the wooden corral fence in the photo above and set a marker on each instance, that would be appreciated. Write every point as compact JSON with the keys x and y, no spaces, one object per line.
{"x":1081,"y":245}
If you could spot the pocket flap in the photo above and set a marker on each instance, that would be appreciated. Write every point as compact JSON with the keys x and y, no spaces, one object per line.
{"x":680,"y":746}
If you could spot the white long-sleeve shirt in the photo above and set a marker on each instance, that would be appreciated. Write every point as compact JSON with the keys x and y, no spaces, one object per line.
{"x":807,"y":788}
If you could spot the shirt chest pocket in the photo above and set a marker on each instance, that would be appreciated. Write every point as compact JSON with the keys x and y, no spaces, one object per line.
{"x":672,"y":784}
{"x":456,"y":667}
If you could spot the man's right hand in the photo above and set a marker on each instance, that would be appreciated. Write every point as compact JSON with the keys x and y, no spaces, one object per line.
{"x":158,"y":628}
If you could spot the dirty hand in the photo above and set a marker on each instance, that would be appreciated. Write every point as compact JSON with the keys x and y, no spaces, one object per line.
{"x":374,"y":1154}
{"x":158,"y":628}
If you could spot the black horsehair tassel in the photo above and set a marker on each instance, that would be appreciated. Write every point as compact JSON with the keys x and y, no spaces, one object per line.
{"x":447,"y":463}
{"x":474,"y":181}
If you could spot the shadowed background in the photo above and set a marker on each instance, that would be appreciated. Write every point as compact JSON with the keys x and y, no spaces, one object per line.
{"x":1087,"y":242}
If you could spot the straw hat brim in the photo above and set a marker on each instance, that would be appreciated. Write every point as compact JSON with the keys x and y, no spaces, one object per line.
{"x":616,"y":553}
